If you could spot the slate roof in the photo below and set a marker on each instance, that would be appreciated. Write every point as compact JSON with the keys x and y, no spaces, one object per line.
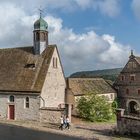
{"x":82,"y":86}
{"x":22,"y":71}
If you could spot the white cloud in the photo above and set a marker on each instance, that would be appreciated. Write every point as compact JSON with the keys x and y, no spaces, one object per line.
{"x":88,"y":50}
{"x":136,"y":8}
{"x":109,"y":8}
{"x":85,"y":51}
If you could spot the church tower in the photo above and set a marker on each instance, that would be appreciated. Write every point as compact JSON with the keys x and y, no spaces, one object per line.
{"x":40,"y":34}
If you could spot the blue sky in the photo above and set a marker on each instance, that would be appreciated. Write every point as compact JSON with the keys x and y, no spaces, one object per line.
{"x":125,"y":26}
{"x":90,"y":34}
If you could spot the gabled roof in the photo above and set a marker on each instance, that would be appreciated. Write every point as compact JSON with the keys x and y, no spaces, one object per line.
{"x":82,"y":86}
{"x":132,"y":58}
{"x":22,"y":71}
{"x":137,"y":59}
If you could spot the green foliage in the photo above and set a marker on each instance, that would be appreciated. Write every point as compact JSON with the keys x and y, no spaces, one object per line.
{"x":115,"y":105}
{"x":94,"y":108}
{"x":107,"y":74}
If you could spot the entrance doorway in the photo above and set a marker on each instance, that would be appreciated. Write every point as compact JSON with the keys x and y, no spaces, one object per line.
{"x":11,"y":112}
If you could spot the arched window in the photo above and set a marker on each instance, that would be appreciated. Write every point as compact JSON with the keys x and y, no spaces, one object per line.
{"x":55,"y":63}
{"x":133,"y":107}
{"x":43,"y":37}
{"x":37,"y":36}
{"x":27,"y":102}
{"x":11,"y":98}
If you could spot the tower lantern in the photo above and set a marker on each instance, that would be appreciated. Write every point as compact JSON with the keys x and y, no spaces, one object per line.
{"x":40,"y":34}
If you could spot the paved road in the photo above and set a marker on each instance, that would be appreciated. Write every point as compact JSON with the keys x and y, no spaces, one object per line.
{"x":10,"y":132}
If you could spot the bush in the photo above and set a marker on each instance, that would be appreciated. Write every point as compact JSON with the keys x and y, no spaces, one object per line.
{"x":94,"y":108}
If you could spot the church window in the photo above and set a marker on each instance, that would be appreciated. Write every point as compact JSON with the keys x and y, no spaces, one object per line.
{"x":27,"y":102}
{"x":11,"y":98}
{"x":127,"y":91}
{"x":132,"y":77}
{"x":54,"y":62}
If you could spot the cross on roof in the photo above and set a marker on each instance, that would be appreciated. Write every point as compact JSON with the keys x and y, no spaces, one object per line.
{"x":40,"y":11}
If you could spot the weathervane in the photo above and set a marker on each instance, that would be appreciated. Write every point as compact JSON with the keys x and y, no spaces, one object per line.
{"x":40,"y":11}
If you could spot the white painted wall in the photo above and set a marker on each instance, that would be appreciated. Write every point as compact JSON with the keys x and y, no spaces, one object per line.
{"x":53,"y":91}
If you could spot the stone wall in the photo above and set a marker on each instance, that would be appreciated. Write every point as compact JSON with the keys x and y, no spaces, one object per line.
{"x":21,"y":112}
{"x":4,"y":106}
{"x":50,"y":115}
{"x":127,"y":124}
{"x":31,"y":113}
{"x":53,"y":91}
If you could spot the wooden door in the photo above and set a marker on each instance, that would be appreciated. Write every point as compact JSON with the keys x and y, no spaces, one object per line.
{"x":11,"y":112}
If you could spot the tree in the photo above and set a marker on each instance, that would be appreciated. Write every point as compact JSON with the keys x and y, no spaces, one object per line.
{"x":115,"y":105}
{"x":93,"y":107}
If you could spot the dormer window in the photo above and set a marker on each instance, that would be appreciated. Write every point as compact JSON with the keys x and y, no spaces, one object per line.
{"x":30,"y":66}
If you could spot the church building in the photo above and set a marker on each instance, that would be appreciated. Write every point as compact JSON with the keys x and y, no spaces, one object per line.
{"x":32,"y":82}
{"x":128,"y":86}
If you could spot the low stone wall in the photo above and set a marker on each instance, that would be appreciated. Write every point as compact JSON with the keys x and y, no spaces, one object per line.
{"x":127,"y":124}
{"x":50,"y":115}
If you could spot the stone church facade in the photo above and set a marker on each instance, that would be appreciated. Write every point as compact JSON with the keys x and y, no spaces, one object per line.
{"x":128,"y":86}
{"x":32,"y":82}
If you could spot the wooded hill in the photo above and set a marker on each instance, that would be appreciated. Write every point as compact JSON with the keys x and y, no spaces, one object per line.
{"x":107,"y":74}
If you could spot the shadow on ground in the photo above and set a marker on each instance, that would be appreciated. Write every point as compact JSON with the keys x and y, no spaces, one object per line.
{"x":109,"y":132}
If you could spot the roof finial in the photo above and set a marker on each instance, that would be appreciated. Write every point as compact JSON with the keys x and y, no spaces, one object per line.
{"x":132,"y":53}
{"x":40,"y":11}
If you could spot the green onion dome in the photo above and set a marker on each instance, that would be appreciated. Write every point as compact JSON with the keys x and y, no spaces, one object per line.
{"x":40,"y":24}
